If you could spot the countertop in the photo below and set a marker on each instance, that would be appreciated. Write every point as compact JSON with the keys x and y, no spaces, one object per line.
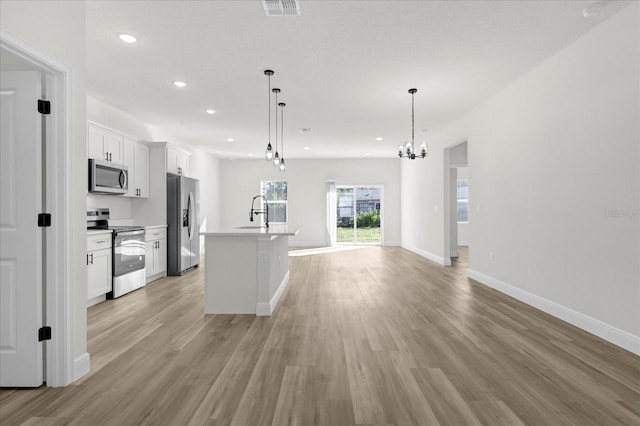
{"x":155,"y":226}
{"x":272,"y":230}
{"x":98,"y":231}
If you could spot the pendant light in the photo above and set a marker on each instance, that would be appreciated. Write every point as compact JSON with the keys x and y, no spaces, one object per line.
{"x":269,"y":151}
{"x":408,"y":150}
{"x":281,"y":105}
{"x":276,"y":156}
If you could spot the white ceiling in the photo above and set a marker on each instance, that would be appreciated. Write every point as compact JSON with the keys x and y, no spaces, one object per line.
{"x":344,"y":67}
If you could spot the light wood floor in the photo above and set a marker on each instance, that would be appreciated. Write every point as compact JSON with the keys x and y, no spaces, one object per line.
{"x":368,"y":336}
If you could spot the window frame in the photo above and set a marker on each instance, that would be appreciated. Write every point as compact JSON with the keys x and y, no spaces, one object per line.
{"x":271,"y":202}
{"x":462,"y":200}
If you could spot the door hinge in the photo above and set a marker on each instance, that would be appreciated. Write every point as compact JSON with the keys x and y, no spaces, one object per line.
{"x":44,"y":219}
{"x":44,"y":333}
{"x":44,"y":107}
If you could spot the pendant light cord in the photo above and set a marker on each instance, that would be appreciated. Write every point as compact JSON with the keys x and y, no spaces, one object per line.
{"x":269,"y":77}
{"x":276,"y":92}
{"x":412,"y":125}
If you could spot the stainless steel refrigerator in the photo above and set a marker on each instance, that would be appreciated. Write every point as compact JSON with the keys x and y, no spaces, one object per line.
{"x":183,"y":234}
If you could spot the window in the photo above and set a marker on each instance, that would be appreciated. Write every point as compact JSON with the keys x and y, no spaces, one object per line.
{"x":275,"y":191}
{"x":463,"y":200}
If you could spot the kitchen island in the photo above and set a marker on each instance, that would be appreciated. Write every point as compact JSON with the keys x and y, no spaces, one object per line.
{"x":246,"y":269}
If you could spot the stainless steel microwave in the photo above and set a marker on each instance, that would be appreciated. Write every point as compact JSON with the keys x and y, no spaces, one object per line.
{"x":106,"y":177}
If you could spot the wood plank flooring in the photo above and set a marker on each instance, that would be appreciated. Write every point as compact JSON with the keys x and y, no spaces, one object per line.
{"x":370,"y":336}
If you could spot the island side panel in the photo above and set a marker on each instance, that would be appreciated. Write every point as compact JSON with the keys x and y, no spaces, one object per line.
{"x":273,"y":271}
{"x":230,"y":275}
{"x":279,"y":267}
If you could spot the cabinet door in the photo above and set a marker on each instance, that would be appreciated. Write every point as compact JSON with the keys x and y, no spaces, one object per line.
{"x":161,"y":256}
{"x":129,"y":161}
{"x":115,"y":147}
{"x":172,"y":160}
{"x":149,"y":258}
{"x":99,"y":273}
{"x":182,"y":161}
{"x":141,"y":170}
{"x":97,"y":142}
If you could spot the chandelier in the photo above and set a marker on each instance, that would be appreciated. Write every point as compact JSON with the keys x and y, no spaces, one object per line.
{"x":408,"y":150}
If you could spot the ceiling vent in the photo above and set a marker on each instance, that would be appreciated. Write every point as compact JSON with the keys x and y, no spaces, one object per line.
{"x":281,"y":7}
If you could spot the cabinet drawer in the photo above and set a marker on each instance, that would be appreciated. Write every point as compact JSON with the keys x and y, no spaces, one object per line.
{"x":98,"y":242}
{"x":155,"y":234}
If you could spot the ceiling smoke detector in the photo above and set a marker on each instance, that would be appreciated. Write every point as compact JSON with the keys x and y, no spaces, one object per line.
{"x":281,"y":7}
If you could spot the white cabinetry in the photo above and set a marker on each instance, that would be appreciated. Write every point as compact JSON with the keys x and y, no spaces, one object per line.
{"x":177,"y":160}
{"x":156,"y":252}
{"x":104,"y":144}
{"x":98,"y":264}
{"x":136,"y":158}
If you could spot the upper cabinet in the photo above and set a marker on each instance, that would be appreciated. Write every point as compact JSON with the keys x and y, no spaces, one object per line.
{"x":136,"y":158}
{"x":177,"y":160}
{"x":104,"y":144}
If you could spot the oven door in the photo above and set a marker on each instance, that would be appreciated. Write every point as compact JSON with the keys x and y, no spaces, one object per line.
{"x":128,"y":252}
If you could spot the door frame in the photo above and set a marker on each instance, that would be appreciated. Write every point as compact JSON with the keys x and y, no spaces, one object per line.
{"x":449,"y":194}
{"x":381,"y":187}
{"x":57,"y":297}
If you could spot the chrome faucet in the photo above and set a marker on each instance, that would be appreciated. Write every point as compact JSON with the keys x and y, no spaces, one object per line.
{"x":265,"y":212}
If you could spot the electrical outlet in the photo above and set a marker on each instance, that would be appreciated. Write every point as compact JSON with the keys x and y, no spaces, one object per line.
{"x":435,"y":209}
{"x":491,"y":255}
{"x":478,"y":208}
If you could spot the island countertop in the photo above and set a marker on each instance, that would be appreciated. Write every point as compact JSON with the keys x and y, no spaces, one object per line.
{"x":254,"y":231}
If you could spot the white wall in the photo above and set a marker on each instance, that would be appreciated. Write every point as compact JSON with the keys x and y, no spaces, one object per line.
{"x":202,"y":166}
{"x":31,"y":21}
{"x":307,"y":192}
{"x":549,"y":155}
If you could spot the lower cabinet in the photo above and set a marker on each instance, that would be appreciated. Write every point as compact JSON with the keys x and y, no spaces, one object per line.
{"x":99,"y":271}
{"x":156,"y":253}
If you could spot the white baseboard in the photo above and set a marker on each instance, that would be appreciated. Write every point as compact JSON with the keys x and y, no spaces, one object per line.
{"x":307,"y":243}
{"x":438,"y":259}
{"x":611,"y":334}
{"x":463,"y":243}
{"x":155,"y":277}
{"x":96,"y":300}
{"x":392,"y":244}
{"x":266,"y":309}
{"x":81,"y":366}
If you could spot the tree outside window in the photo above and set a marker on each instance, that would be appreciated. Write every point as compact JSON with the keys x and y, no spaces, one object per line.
{"x":275,"y":191}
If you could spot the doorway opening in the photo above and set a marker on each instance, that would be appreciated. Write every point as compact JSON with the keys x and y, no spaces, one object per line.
{"x":456,"y":202}
{"x":359,"y":214}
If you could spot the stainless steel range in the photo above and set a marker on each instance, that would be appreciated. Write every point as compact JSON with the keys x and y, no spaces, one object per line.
{"x":128,"y":253}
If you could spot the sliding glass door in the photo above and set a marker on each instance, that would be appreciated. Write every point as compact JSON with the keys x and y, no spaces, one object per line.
{"x":358,"y":214}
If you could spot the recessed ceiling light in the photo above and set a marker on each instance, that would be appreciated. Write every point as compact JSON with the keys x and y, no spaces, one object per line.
{"x":306,"y":148}
{"x":367,"y":154}
{"x":127,"y":38}
{"x":378,"y":138}
{"x":250,"y":155}
{"x":211,"y":111}
{"x":230,"y":140}
{"x":179,"y":83}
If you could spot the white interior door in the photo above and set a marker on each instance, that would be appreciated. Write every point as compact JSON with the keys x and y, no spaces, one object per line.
{"x":21,"y":354}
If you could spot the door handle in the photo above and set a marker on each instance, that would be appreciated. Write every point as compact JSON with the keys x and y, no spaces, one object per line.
{"x":92,"y":258}
{"x":87,"y":258}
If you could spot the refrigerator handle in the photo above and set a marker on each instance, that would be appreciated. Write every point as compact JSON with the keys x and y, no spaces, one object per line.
{"x":190,"y":207}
